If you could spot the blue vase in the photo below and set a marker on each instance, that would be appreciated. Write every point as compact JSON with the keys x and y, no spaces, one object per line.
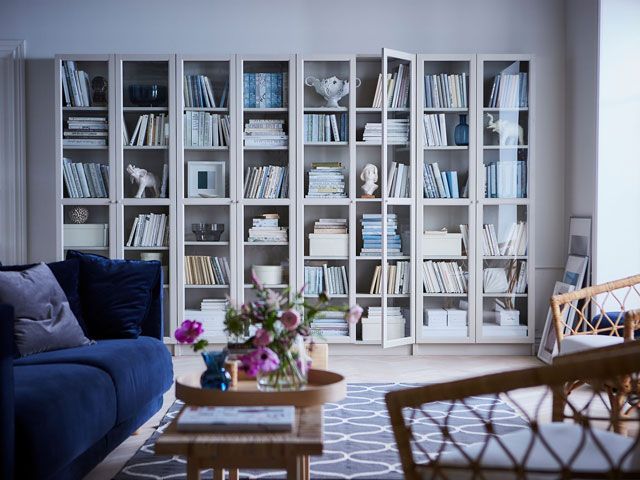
{"x":215,"y":377}
{"x":461,"y":133}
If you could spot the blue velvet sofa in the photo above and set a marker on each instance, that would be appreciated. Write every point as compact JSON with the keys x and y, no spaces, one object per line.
{"x":62,"y":412}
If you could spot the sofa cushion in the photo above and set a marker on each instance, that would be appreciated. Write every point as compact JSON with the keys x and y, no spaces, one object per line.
{"x":60,"y":411}
{"x":140,"y":369}
{"x":116,"y":295}
{"x":580,"y":343}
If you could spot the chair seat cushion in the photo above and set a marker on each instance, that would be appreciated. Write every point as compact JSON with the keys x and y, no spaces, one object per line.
{"x":579,"y":343}
{"x":564,"y":439}
{"x":61,"y":410}
{"x":140,"y":369}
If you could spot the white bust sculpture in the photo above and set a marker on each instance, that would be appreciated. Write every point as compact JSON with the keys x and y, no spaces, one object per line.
{"x":369,"y":176}
{"x":145,"y":179}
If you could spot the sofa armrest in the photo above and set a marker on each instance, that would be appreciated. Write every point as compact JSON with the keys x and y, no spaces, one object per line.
{"x":7,"y":419}
{"x":153,"y":325}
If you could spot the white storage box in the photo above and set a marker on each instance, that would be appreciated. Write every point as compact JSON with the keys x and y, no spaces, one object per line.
{"x":492,"y":330}
{"x":435,"y":317}
{"x":438,"y":332}
{"x":456,"y":318}
{"x":441,"y":244}
{"x":268,"y":274}
{"x":86,"y":235}
{"x":372,"y":329}
{"x":506,"y":318}
{"x":329,"y":244}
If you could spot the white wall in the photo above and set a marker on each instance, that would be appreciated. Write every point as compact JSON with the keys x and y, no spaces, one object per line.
{"x":618,"y":132}
{"x":258,"y":26}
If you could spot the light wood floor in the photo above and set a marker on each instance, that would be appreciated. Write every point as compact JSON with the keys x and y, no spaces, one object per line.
{"x":369,"y":369}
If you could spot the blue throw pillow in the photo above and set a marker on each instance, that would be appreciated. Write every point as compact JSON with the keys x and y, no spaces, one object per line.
{"x":67,"y":273}
{"x":116,"y":295}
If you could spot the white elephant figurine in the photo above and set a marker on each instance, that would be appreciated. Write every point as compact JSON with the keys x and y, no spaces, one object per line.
{"x":510,"y":133}
{"x":331,"y":89}
{"x":369,"y":176}
{"x":144,"y":179}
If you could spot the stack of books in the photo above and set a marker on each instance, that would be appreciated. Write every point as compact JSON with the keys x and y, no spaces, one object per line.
{"x":266,"y":229}
{"x":269,"y":181}
{"x":204,"y":270}
{"x":85,"y":180}
{"x":265,"y":133}
{"x":149,"y":230}
{"x":325,"y":128}
{"x":392,"y":314}
{"x":211,"y":315}
{"x":398,"y":185}
{"x":202,"y":129}
{"x":506,"y":179}
{"x":398,"y":279}
{"x":443,"y":277}
{"x":326,"y":180}
{"x":517,"y":277}
{"x":265,"y":90}
{"x":509,"y":91}
{"x":439,"y":184}
{"x":330,"y":226}
{"x":198,"y":92}
{"x":151,"y":130}
{"x":76,"y":86}
{"x":435,"y":130}
{"x":397,"y":87}
{"x":332,"y":280}
{"x":515,"y":243}
{"x":446,"y":90}
{"x":372,"y":235}
{"x":86,"y":132}
{"x":330,"y":324}
{"x":397,"y":132}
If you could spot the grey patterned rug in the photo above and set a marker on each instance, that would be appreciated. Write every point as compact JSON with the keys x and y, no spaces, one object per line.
{"x":358,"y":440}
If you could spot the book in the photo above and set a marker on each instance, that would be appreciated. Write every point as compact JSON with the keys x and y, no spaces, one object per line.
{"x":325,"y":128}
{"x":443,"y":277}
{"x":151,"y":130}
{"x":202,"y":129}
{"x":269,"y":181}
{"x":85,"y":180}
{"x":76,"y":87}
{"x":446,"y":90}
{"x":331,"y":280}
{"x":326,"y":180}
{"x":398,"y":279}
{"x":236,"y":419}
{"x":265,"y":133}
{"x":509,"y":90}
{"x":397,"y":132}
{"x":265,"y":90}
{"x":267,"y":229}
{"x":149,"y":230}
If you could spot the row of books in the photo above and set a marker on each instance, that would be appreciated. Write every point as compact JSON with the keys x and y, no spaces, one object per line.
{"x":320,"y":127}
{"x":267,"y":229}
{"x":149,"y":230}
{"x":435,"y":130}
{"x":440,"y":184}
{"x":332,"y":280}
{"x":265,"y":90}
{"x":330,"y":226}
{"x":509,"y":91}
{"x":269,"y":181}
{"x":330,"y":324}
{"x":397,"y":86}
{"x":398,"y":180}
{"x":515,"y":242}
{"x":76,"y":87}
{"x":150,"y":130}
{"x":398,"y":279}
{"x":198,"y":92}
{"x":372,"y":234}
{"x":202,"y":129}
{"x":446,"y":90}
{"x":85,"y":180}
{"x":205,"y":270}
{"x":265,"y":133}
{"x":326,"y":180}
{"x":517,"y":277}
{"x":397,"y":132}
{"x":506,"y":179}
{"x":86,"y":131}
{"x":443,"y":277}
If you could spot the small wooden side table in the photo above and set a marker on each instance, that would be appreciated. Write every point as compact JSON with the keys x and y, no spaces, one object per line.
{"x":220,"y":451}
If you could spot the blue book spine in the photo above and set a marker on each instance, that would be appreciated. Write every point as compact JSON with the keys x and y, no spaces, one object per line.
{"x":245,"y":90}
{"x":252,"y":90}
{"x":269,"y":90}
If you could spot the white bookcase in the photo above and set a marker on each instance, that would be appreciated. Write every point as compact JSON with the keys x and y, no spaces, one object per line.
{"x":415,"y":212}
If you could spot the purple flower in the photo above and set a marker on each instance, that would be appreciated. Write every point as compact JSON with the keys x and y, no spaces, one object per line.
{"x":290,"y":319}
{"x":189,"y":331}
{"x":262,"y":338}
{"x":354,"y":314}
{"x":260,"y":360}
{"x":256,"y":281}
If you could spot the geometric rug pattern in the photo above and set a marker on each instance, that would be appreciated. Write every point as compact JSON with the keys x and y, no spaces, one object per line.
{"x":358,"y":440}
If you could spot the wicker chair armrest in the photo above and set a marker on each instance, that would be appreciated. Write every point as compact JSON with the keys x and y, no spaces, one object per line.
{"x":631,"y":324}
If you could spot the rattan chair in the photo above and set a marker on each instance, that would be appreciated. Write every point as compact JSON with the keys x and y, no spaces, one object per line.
{"x":533,"y":447}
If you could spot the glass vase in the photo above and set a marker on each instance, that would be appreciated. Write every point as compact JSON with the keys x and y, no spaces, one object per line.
{"x":288,"y":376}
{"x":215,"y":377}
{"x":461,"y":133}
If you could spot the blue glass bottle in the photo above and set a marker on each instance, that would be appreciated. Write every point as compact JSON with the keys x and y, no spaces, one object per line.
{"x":461,"y":133}
{"x":215,"y":376}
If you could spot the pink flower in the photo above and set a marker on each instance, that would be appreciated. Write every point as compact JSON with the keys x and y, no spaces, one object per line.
{"x":290,"y":319}
{"x":256,"y":281}
{"x":260,"y":360}
{"x":262,"y":338}
{"x":189,"y":331}
{"x":354,"y":314}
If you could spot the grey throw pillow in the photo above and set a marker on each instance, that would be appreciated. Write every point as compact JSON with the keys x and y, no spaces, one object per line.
{"x":44,"y":321}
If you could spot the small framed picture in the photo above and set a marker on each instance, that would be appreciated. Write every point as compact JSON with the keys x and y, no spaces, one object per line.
{"x":206,"y":179}
{"x":549,"y":344}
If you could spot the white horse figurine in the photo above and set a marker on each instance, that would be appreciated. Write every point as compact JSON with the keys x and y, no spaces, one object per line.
{"x":145,"y":179}
{"x":510,"y":133}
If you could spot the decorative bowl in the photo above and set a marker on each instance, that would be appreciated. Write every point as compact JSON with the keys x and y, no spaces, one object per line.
{"x":207,"y":232}
{"x":148,"y":95}
{"x":268,"y":274}
{"x":331,"y":89}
